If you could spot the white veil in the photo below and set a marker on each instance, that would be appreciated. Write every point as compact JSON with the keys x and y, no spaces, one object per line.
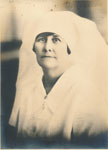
{"x":88,"y":50}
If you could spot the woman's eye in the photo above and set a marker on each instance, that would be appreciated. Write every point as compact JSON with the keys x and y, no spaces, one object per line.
{"x":55,"y":40}
{"x":41,"y":40}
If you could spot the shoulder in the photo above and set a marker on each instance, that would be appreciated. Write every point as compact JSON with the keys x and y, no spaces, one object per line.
{"x":90,"y":105}
{"x":90,"y":110}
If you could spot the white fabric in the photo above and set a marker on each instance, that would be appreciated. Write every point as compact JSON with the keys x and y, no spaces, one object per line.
{"x":80,"y":94}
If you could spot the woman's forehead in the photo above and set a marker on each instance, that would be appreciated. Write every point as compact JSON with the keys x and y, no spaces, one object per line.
{"x":45,"y":34}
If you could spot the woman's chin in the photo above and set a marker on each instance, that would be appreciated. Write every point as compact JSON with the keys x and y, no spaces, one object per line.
{"x":48,"y":65}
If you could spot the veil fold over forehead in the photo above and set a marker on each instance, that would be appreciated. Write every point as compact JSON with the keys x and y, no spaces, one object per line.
{"x":88,"y":49}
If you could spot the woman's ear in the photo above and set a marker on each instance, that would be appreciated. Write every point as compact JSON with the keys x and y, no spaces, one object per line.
{"x":68,"y":50}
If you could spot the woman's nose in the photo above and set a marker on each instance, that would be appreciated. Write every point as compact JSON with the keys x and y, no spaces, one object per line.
{"x":48,"y":46}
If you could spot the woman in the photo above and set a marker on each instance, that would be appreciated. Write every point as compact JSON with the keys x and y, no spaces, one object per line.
{"x":61,"y":91}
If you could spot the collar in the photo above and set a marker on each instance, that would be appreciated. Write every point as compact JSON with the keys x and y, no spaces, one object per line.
{"x":61,"y":89}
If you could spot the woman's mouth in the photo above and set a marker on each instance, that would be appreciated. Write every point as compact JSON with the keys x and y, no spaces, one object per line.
{"x":47,"y":56}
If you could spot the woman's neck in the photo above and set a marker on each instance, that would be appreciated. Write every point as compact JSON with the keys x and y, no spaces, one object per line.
{"x":51,"y":75}
{"x":50,"y":78}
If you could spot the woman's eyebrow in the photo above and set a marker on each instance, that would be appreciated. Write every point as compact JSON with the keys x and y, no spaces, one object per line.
{"x":40,"y":36}
{"x":44,"y":35}
{"x":55,"y":35}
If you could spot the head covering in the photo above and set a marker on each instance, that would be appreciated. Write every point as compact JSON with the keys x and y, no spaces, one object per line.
{"x":88,"y":51}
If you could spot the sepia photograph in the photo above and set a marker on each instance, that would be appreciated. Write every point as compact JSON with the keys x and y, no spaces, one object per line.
{"x":54,"y":74}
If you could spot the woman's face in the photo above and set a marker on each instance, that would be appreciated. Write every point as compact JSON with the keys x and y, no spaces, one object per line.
{"x":51,"y":50}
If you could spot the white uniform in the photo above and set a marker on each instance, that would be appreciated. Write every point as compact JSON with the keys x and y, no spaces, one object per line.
{"x":78,"y":101}
{"x":74,"y":103}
